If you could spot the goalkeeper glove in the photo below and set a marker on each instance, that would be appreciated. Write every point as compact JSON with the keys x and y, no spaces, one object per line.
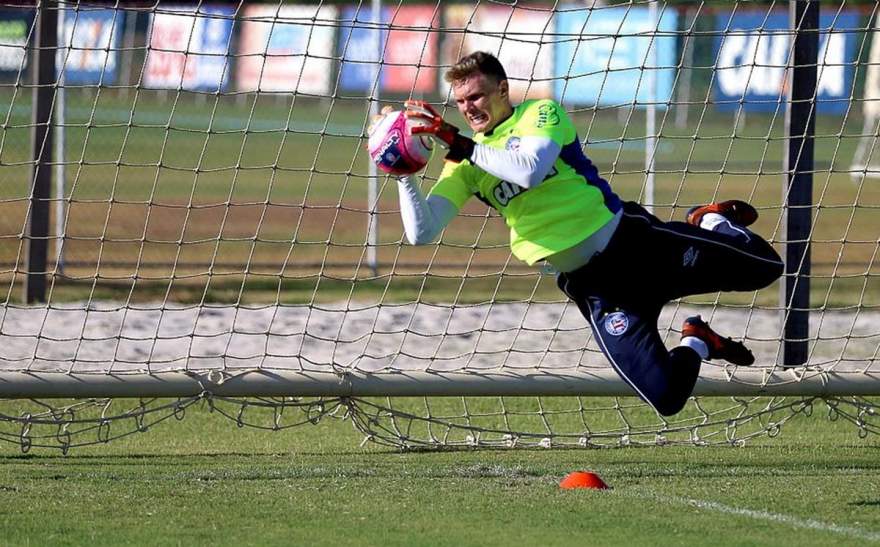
{"x":432,"y":123}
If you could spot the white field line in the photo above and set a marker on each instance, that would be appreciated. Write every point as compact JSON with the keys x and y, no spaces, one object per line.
{"x":795,"y":522}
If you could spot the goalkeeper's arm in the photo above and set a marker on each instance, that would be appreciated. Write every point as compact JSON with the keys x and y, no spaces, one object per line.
{"x":526,"y":165}
{"x":423,"y":219}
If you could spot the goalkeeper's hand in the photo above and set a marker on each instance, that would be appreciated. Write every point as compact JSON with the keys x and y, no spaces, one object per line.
{"x":431,"y":123}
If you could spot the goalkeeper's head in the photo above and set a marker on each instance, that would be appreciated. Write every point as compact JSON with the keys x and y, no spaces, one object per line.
{"x":481,"y":91}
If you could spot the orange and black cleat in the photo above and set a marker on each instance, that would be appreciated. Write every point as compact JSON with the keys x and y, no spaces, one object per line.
{"x":734,"y":210}
{"x":719,"y":348}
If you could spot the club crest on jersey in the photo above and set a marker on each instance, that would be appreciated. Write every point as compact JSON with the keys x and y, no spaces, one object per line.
{"x":512,"y":144}
{"x":616,"y":323}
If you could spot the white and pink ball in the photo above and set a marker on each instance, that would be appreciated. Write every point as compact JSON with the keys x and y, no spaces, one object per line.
{"x":394,"y":150}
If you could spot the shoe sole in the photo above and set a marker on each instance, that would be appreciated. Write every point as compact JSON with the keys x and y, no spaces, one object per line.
{"x":737,"y":211}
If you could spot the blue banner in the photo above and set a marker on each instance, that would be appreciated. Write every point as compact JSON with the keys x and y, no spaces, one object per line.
{"x":209,"y":49}
{"x":89,"y":45}
{"x":188,"y":47}
{"x":600,"y":54}
{"x":751,"y":63}
{"x":359,"y":49}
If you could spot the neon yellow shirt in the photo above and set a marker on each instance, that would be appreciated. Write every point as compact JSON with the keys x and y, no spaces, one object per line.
{"x":567,"y":207}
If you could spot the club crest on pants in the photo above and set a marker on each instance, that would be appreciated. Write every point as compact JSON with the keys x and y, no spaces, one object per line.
{"x":616,"y":323}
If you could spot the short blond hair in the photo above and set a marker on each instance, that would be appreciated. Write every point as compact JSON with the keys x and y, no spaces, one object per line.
{"x":477,"y":62}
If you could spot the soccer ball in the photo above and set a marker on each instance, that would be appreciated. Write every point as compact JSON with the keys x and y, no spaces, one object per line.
{"x":394,"y":150}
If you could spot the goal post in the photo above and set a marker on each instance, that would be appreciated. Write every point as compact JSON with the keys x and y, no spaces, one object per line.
{"x":799,"y":164}
{"x":220,"y":220}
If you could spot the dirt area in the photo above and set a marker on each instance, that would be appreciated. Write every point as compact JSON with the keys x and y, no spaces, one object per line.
{"x":107,"y":336}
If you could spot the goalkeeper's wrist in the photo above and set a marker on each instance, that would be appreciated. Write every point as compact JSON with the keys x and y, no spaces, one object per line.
{"x":461,"y":148}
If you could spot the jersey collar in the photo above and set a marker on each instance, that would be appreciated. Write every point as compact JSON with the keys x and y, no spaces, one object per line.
{"x":501,"y":126}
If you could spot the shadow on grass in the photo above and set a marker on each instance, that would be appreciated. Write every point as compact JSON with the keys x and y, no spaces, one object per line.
{"x":865,"y":503}
{"x":634,"y":463}
{"x":396,"y":289}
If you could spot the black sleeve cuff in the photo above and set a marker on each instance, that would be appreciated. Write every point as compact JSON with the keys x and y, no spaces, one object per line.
{"x":461,"y":148}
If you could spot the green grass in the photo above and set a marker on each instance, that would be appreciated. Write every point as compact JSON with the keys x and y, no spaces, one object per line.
{"x":204,"y":480}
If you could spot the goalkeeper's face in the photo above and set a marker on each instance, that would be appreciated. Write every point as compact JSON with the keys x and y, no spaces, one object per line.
{"x":483,"y":102}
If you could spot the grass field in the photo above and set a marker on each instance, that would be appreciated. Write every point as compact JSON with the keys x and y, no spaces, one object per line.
{"x":204,"y":480}
{"x":188,"y":200}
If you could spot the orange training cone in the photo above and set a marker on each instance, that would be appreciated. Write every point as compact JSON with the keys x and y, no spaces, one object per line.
{"x":582,"y":479}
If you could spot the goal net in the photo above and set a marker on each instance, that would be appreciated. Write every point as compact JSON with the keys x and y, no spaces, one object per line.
{"x":213,"y":232}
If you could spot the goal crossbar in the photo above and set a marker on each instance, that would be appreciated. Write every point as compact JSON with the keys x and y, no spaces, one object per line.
{"x":270,"y":383}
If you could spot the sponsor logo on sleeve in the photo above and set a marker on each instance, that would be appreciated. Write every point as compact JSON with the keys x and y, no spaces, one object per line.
{"x":547,"y":116}
{"x":690,"y":257}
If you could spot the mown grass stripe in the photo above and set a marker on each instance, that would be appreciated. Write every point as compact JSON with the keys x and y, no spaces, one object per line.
{"x":779,"y":518}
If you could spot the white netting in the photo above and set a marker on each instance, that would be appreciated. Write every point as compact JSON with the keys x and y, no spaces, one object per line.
{"x":211,"y":207}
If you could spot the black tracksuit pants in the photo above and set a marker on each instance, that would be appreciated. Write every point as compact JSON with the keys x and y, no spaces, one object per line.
{"x":646,"y":264}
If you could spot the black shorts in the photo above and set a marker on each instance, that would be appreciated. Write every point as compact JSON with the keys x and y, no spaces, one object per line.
{"x":647,"y":263}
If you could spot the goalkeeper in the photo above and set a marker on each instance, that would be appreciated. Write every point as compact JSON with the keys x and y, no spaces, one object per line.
{"x":618,"y":262}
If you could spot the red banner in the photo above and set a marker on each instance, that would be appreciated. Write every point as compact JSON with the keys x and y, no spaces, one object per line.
{"x":411,"y":55}
{"x":287,"y":48}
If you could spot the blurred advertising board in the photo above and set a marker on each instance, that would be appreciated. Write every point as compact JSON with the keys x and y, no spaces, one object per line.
{"x":871,"y":95}
{"x":286,"y":48}
{"x":409,"y":57}
{"x":89,"y":45}
{"x":189,"y":47}
{"x":753,"y":48}
{"x":513,"y":34}
{"x":15,"y":26}
{"x":600,"y":54}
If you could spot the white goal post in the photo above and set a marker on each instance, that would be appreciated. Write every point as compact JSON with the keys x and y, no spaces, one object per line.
{"x":279,"y":383}
{"x":214,"y":198}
